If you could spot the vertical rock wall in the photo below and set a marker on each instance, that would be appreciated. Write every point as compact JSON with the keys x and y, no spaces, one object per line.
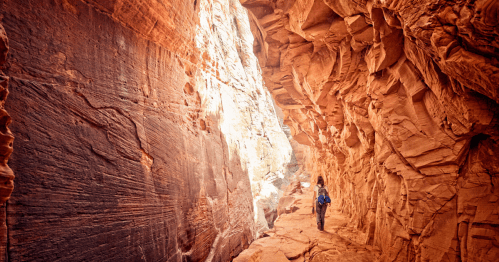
{"x":248,"y":118}
{"x":141,"y":129}
{"x":6,"y":143}
{"x":399,"y":100}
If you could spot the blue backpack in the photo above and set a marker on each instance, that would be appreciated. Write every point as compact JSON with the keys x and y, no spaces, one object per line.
{"x":323,"y":196}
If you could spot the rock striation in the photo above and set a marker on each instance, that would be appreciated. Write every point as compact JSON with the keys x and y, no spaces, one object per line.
{"x":143,"y":131}
{"x":399,"y":102}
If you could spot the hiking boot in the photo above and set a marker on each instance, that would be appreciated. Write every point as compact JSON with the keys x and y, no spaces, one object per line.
{"x":322,"y":227}
{"x":319,"y":226}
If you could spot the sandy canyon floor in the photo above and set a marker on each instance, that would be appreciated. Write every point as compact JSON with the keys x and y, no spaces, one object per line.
{"x":295,"y":237}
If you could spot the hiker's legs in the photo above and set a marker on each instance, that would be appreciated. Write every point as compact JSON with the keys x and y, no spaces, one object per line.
{"x":318,"y":208}
{"x":323,"y":215}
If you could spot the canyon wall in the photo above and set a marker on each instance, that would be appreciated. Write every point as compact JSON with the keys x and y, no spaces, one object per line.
{"x":6,"y":144}
{"x":399,"y":101}
{"x":142,"y":131}
{"x":249,"y":120}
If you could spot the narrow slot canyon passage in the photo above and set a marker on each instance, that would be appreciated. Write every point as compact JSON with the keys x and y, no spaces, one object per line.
{"x":198,"y":130}
{"x":295,"y":236}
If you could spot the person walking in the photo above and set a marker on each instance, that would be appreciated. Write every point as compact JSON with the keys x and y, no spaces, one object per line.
{"x":320,"y":189}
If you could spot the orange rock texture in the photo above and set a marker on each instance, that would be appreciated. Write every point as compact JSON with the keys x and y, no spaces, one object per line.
{"x":399,"y":101}
{"x":143,"y":131}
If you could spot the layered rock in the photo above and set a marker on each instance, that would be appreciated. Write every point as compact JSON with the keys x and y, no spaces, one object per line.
{"x":6,"y":144}
{"x":400,"y":101}
{"x":142,"y":128}
{"x":6,"y":137}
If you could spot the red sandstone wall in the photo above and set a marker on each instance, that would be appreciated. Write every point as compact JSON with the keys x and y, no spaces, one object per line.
{"x":6,"y":143}
{"x":400,"y":101}
{"x":112,"y":162}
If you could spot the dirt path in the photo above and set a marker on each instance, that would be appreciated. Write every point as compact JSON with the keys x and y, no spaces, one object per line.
{"x":295,"y":237}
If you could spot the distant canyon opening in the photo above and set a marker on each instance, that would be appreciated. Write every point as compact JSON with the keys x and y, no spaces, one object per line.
{"x":165,"y":130}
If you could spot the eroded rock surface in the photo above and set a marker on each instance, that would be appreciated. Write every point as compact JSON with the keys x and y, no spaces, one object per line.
{"x":399,"y":100}
{"x":142,"y":128}
{"x":248,"y":119}
{"x":6,"y":137}
{"x":6,"y":144}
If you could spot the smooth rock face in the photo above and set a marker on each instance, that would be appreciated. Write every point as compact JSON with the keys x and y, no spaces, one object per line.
{"x":142,"y":128}
{"x":399,"y":100}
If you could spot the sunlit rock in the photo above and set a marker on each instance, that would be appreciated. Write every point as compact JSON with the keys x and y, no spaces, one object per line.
{"x":401,"y":116}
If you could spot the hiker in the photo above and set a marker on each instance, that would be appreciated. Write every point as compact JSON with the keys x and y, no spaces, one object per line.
{"x":321,"y":201}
